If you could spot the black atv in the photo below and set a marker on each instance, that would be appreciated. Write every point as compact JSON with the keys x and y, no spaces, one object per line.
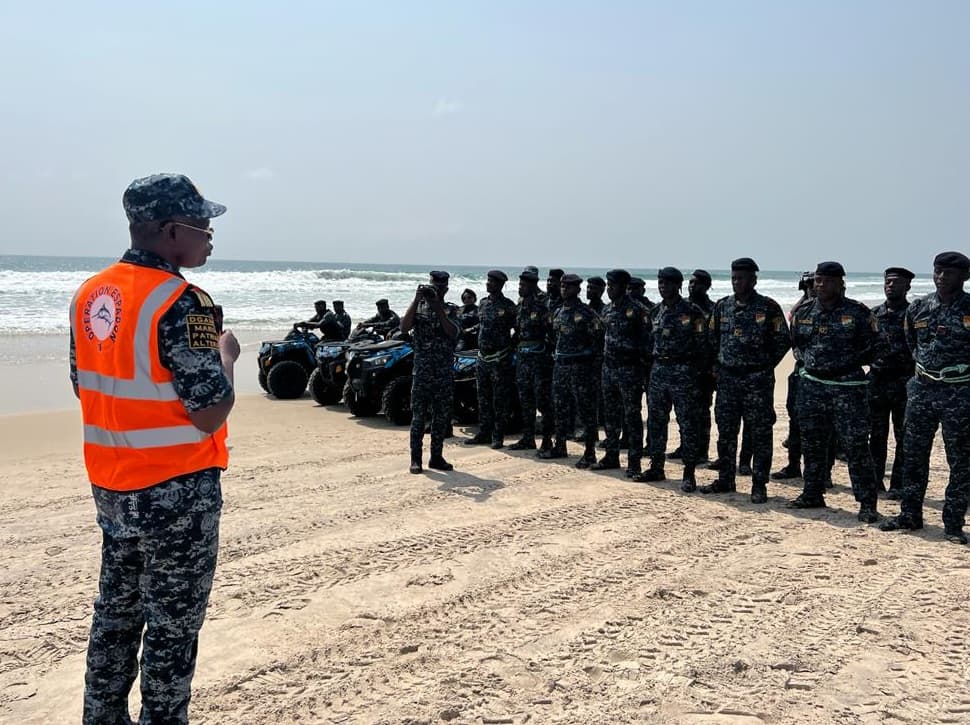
{"x":379,"y":380}
{"x":330,"y":375}
{"x":464,"y":407}
{"x":285,"y":365}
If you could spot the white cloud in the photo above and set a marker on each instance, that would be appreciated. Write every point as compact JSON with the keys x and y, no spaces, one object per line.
{"x":260,"y":174}
{"x":446,"y":107}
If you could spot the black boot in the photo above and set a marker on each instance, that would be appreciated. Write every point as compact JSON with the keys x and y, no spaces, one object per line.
{"x":720,"y":486}
{"x":588,"y":458}
{"x":744,"y":469}
{"x":955,"y":535}
{"x":867,"y":512}
{"x":807,"y":502}
{"x":789,"y":471}
{"x":759,"y":493}
{"x":903,"y":522}
{"x":416,"y":463}
{"x":556,"y":451}
{"x":439,"y":463}
{"x":632,"y":467}
{"x":675,"y":455}
{"x":689,"y":482}
{"x":545,"y":447}
{"x":479,"y":439}
{"x":654,"y":473}
{"x":498,"y":443}
{"x":607,"y":462}
{"x":525,"y":443}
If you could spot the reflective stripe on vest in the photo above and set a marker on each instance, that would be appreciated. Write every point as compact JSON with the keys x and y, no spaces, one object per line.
{"x":145,"y":438}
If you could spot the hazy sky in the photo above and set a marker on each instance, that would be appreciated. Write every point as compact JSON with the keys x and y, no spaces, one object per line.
{"x":568,"y":133}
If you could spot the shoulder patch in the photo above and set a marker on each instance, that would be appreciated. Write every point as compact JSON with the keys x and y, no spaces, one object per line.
{"x":202,"y":331}
{"x":203,"y":298}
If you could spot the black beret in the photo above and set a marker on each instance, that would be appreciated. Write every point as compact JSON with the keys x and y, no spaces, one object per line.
{"x":744,"y":264}
{"x":671,"y":273}
{"x":497,"y":274}
{"x":438,"y":276}
{"x":620,"y":276}
{"x":595,"y":282}
{"x":382,"y":301}
{"x":320,"y":302}
{"x":338,"y":302}
{"x":530,"y":274}
{"x":830,"y":269}
{"x":956,"y":260}
{"x":702,"y":274}
{"x":898,"y":272}
{"x":532,"y":268}
{"x":557,"y":273}
{"x":571,"y":279}
{"x":637,"y":282}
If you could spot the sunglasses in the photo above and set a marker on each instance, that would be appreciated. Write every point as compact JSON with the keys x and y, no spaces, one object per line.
{"x":208,"y":232}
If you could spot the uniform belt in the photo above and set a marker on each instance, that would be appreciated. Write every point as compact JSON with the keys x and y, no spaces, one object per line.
{"x":804,"y":373}
{"x":570,"y":357}
{"x":950,"y":374}
{"x":495,"y":356}
{"x":532,"y":347}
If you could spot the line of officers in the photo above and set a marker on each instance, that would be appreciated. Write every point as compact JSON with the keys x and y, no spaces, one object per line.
{"x":572,"y":361}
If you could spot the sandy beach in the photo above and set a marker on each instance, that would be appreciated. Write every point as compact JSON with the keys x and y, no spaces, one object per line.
{"x":508,"y":591}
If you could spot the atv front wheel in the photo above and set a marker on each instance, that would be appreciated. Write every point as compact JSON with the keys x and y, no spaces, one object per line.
{"x":397,"y":401}
{"x":286,"y":380}
{"x":359,"y":407}
{"x":262,"y":381}
{"x":321,"y":390}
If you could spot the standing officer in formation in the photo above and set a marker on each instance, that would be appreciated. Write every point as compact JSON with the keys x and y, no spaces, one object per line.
{"x":626,"y":346}
{"x":554,"y":290}
{"x":679,"y":349}
{"x":938,"y":330}
{"x":835,"y":336}
{"x":750,"y":337}
{"x":154,"y":374}
{"x":579,"y":337}
{"x":533,"y":368}
{"x":595,"y":287}
{"x":435,"y":326}
{"x":887,"y":378}
{"x":495,"y":374}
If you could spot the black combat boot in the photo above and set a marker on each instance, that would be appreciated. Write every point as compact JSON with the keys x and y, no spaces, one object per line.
{"x":716,"y":465}
{"x":807,"y":502}
{"x":588,"y":458}
{"x":556,"y":451}
{"x":689,"y":482}
{"x":479,"y":439}
{"x":955,"y":535}
{"x":416,"y":463}
{"x":789,"y":471}
{"x":632,"y":467}
{"x":545,"y":447}
{"x":759,"y":493}
{"x":867,"y":512}
{"x":439,"y":463}
{"x":675,"y":455}
{"x":525,"y":443}
{"x":903,"y":522}
{"x":607,"y":462}
{"x":720,"y":486}
{"x":654,"y":473}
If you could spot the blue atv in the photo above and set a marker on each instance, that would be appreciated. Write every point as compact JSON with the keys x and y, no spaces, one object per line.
{"x":379,"y":380}
{"x":330,"y":374}
{"x":464,"y":405}
{"x":285,"y":365}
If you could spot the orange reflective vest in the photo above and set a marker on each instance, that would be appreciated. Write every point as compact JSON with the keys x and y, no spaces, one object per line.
{"x":137,"y":433}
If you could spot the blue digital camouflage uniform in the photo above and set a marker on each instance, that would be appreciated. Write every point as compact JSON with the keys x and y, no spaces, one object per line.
{"x":680,"y":349}
{"x":939,"y":336}
{"x":432,"y":390}
{"x":468,"y":322}
{"x":579,"y":335}
{"x":495,"y":374}
{"x":533,"y":366}
{"x":346,"y":324}
{"x":626,"y":345}
{"x":888,"y":376}
{"x":832,"y":391}
{"x":749,"y":340}
{"x":158,"y":551}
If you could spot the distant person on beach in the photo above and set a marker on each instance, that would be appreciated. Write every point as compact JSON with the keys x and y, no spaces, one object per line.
{"x":533,"y":365}
{"x":154,"y":375}
{"x":938,"y":331}
{"x":434,"y":323}
{"x":324,"y":320}
{"x":750,"y":337}
{"x":385,"y":321}
{"x":834,"y":337}
{"x":495,"y":373}
{"x":468,"y":320}
{"x":342,"y":318}
{"x":888,"y":376}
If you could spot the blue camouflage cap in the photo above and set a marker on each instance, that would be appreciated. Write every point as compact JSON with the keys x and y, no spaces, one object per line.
{"x":161,"y":197}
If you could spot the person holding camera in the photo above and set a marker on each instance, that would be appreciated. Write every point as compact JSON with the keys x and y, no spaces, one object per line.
{"x":433,"y":324}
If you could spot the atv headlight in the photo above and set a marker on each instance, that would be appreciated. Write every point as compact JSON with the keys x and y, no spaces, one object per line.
{"x":377,"y":361}
{"x":327,"y":352}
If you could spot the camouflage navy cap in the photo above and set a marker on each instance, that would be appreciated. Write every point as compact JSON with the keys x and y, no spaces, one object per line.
{"x":161,"y":197}
{"x":571,"y":279}
{"x":439,"y":277}
{"x":497,"y":274}
{"x":830,"y":269}
{"x":744,"y":264}
{"x":637,"y":282}
{"x":530,"y":274}
{"x":620,"y":276}
{"x":595,"y":282}
{"x":898,"y":272}
{"x":382,"y":302}
{"x":671,"y":273}
{"x":556,"y":273}
{"x":702,"y":274}
{"x":955,"y":260}
{"x":338,"y":302}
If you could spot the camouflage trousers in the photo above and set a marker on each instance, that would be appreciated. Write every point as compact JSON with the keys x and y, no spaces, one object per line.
{"x":533,"y":378}
{"x":887,"y":402}
{"x":496,"y":386}
{"x":622,"y":410}
{"x":794,"y":431}
{"x":672,"y":386}
{"x":573,"y":389}
{"x":158,"y":556}
{"x":705,"y":394}
{"x":932,"y":405}
{"x":431,"y":398}
{"x":846,"y":408}
{"x":748,"y":397}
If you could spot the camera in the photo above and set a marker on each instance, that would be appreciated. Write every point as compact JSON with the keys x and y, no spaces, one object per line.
{"x":807,"y":281}
{"x":428,"y":290}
